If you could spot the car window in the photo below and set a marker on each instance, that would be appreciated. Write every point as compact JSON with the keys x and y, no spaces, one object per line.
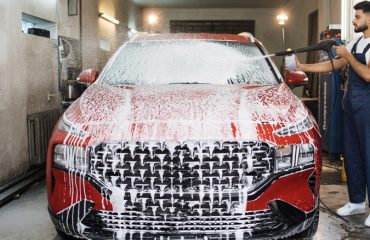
{"x":189,"y":61}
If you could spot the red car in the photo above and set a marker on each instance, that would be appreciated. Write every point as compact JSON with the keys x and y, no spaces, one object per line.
{"x":186,"y":136}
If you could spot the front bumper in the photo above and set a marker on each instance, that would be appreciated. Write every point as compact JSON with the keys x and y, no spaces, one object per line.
{"x":147,"y":198}
{"x":279,"y":221}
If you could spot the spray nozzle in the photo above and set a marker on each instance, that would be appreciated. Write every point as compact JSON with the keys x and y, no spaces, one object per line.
{"x":325,"y":45}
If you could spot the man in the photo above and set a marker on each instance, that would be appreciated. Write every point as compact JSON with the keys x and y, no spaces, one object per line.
{"x":356,"y":104}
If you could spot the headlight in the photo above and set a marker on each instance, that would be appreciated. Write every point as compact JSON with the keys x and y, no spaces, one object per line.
{"x":71,"y":158}
{"x":67,"y":127}
{"x":283,"y":158}
{"x":302,"y":126}
{"x":305,"y":154}
{"x":292,"y":156}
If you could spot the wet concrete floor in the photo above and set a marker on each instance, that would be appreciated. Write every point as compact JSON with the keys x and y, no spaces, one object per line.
{"x":26,"y":218}
{"x":333,"y":194}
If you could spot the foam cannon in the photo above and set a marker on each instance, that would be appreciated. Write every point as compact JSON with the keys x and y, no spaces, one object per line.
{"x":325,"y":45}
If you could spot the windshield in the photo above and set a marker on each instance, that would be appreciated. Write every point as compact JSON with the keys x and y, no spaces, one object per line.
{"x":189,"y":61}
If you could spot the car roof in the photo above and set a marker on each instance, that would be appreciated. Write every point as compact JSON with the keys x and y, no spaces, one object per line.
{"x":243,"y":38}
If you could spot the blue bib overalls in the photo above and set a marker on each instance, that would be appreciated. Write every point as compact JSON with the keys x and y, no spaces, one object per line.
{"x":356,"y":105}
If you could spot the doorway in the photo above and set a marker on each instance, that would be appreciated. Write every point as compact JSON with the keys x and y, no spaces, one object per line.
{"x":312,"y":87}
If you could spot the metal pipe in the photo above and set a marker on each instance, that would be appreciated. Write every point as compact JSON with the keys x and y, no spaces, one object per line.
{"x":283,"y":36}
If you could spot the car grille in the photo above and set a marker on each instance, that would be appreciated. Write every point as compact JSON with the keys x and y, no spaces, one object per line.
{"x":247,"y":224}
{"x":181,"y":180}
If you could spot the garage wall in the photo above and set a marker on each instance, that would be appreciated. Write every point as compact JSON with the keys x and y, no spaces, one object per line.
{"x":329,"y":13}
{"x":96,"y":29}
{"x":266,"y":26}
{"x":297,"y":24}
{"x":134,"y":18}
{"x":28,"y":70}
{"x":28,"y":65}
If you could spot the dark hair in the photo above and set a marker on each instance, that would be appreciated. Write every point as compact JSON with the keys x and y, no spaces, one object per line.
{"x":364,"y":6}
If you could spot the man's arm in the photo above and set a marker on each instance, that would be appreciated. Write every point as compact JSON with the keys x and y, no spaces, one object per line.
{"x":361,"y":69}
{"x":323,"y":66}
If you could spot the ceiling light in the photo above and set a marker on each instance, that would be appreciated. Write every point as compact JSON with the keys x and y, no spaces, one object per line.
{"x":152,"y":19}
{"x":109,"y":18}
{"x":282,"y":18}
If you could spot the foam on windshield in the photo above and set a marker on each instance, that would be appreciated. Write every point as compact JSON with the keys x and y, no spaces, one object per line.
{"x":165,"y":62}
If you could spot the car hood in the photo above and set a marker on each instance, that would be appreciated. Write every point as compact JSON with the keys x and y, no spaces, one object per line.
{"x":182,"y":111}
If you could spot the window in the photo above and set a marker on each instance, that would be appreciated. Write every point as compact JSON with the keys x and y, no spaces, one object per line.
{"x":38,"y":26}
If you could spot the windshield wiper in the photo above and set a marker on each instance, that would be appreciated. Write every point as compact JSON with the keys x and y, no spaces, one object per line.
{"x":188,"y":83}
{"x":128,"y":83}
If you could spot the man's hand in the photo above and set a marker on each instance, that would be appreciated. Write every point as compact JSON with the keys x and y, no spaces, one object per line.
{"x":298,"y":63}
{"x":362,"y":70}
{"x":342,"y":51}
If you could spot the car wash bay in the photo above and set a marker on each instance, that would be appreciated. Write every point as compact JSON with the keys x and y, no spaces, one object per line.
{"x":46,"y":44}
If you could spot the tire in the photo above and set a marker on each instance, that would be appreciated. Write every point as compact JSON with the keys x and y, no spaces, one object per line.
{"x":311,"y":230}
{"x":65,"y":236}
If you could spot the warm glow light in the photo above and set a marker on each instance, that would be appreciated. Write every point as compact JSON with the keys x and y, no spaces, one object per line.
{"x":152,"y":19}
{"x":109,"y":18}
{"x":282,"y":18}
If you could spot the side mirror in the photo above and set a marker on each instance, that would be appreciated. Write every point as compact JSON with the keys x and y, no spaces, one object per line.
{"x":88,"y":76}
{"x":295,"y":78}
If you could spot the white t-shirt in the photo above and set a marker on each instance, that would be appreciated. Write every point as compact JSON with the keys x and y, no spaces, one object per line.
{"x":360,"y":46}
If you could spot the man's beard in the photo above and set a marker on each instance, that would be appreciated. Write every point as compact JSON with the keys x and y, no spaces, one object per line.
{"x":361,"y":28}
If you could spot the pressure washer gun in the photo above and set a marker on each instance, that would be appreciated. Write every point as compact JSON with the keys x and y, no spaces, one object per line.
{"x":290,"y":61}
{"x":325,"y":45}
